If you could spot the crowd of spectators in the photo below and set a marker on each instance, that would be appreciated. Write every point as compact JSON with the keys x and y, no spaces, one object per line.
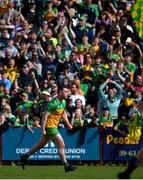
{"x":89,"y":46}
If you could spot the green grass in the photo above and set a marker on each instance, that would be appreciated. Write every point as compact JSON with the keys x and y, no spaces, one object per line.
{"x":57,"y":172}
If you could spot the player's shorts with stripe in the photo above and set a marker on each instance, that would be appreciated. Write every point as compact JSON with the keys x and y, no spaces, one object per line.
{"x":51,"y":132}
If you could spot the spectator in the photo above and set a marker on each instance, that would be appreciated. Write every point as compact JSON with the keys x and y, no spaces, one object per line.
{"x":77,"y":120}
{"x":11,"y":70}
{"x":105,"y":119}
{"x":54,"y":90}
{"x":24,"y":112}
{"x":40,"y":106}
{"x":138,"y":84}
{"x":75,"y":95}
{"x":90,"y":119}
{"x":4,"y":79}
{"x":122,"y":125}
{"x":24,"y":77}
{"x":112,"y":98}
{"x":130,"y":67}
{"x":87,"y":70}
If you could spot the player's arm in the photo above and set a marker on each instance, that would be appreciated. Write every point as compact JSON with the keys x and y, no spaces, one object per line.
{"x":66,"y":121}
{"x":44,"y":120}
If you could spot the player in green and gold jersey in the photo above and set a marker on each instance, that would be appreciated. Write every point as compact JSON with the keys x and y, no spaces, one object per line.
{"x":55,"y":111}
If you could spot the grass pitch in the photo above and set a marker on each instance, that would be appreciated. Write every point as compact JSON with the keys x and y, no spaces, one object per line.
{"x":57,"y":172}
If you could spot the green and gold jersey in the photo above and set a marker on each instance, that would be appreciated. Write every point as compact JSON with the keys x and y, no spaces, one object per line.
{"x":56,"y":109}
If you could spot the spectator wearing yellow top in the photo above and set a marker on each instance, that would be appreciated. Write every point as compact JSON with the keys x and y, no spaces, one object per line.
{"x":87,"y":69}
{"x":11,"y":69}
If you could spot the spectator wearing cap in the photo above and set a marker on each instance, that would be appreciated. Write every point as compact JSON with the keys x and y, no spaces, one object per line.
{"x":81,"y":29}
{"x":40,"y":106}
{"x":105,"y":119}
{"x":92,"y":9}
{"x":111,"y":98}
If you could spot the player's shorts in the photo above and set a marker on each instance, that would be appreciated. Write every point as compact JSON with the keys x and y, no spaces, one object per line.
{"x":51,"y":132}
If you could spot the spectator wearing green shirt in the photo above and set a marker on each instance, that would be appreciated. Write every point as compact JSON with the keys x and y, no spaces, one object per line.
{"x":122,"y":124}
{"x":130,"y":67}
{"x":24,"y":111}
{"x":99,"y":67}
{"x":77,"y":120}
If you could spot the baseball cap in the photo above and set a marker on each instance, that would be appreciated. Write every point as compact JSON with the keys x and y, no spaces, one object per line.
{"x":105,"y":108}
{"x":24,"y":94}
{"x":46,"y":93}
{"x":83,"y":18}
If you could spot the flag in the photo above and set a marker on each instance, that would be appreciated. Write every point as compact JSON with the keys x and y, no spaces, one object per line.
{"x":137,"y":15}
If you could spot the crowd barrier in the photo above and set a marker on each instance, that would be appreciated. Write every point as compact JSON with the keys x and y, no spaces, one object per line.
{"x":91,"y":144}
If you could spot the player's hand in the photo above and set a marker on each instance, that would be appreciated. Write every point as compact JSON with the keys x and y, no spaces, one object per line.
{"x":43,"y":132}
{"x":69,"y":126}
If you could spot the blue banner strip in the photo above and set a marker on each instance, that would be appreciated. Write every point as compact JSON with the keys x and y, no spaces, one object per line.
{"x":81,"y":144}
